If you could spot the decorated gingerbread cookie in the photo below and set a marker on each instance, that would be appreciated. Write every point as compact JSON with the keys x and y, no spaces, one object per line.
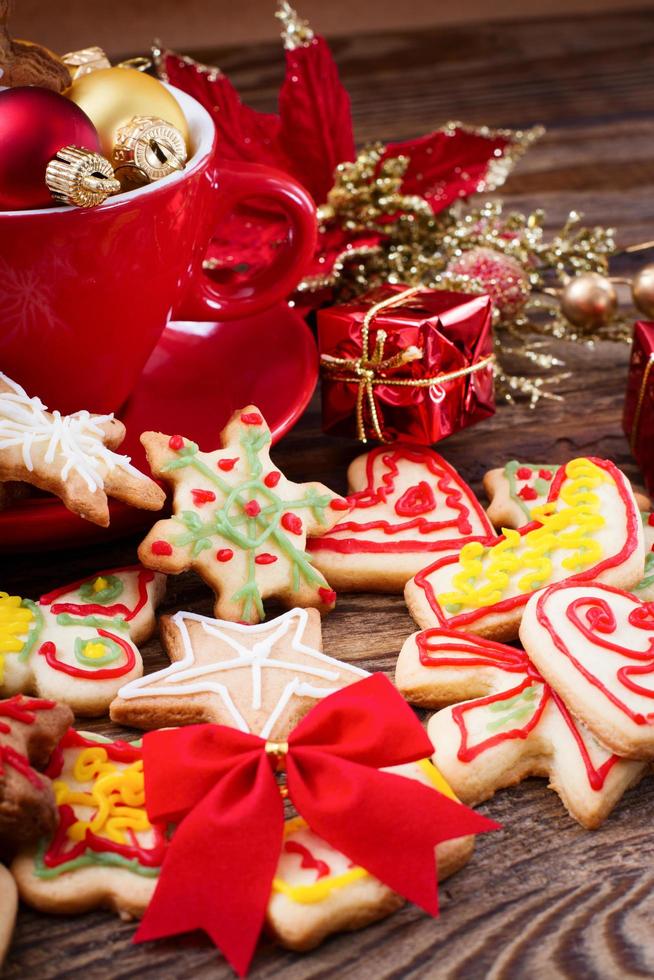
{"x":239,"y":522}
{"x":317,"y":891}
{"x":595,"y":645}
{"x":507,"y":723}
{"x":29,"y":730}
{"x":8,"y":907}
{"x":589,"y":529}
{"x":260,"y":679}
{"x":408,"y":505}
{"x":645,"y":588}
{"x":104,"y":851}
{"x":77,"y":644}
{"x":71,"y":456}
{"x":517,"y":489}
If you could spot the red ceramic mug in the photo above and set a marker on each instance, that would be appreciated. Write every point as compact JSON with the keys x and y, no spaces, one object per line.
{"x":85,"y":295}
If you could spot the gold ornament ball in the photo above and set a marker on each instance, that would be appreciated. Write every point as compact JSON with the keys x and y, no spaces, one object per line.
{"x":643,"y":291}
{"x":112,"y":97}
{"x":589,"y":300}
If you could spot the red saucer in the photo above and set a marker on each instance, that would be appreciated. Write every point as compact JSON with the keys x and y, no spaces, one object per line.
{"x":196,"y":377}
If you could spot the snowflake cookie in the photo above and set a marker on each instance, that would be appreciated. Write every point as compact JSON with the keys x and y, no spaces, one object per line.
{"x":502,"y":722}
{"x":77,"y":644}
{"x":71,"y":456}
{"x":589,"y":529}
{"x":239,"y":522}
{"x":407,"y":506}
{"x":261,"y":678}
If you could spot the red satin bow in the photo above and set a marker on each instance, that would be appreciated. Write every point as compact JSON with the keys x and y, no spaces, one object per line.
{"x":218,"y":784}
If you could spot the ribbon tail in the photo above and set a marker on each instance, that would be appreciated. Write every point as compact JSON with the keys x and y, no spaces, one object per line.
{"x":398,"y":821}
{"x":218,"y":871}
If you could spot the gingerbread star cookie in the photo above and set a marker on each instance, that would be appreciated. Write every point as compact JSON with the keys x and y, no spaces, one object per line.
{"x":29,"y":730}
{"x":78,"y":643}
{"x":502,"y":722}
{"x":517,"y":489}
{"x":8,"y":908}
{"x":239,"y":522}
{"x":595,"y":646}
{"x":104,"y":852}
{"x":407,"y":506}
{"x":317,"y":891}
{"x":589,"y":529}
{"x":260,"y":679}
{"x":71,"y":456}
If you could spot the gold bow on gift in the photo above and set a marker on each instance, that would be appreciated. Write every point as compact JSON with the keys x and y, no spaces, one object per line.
{"x":366,"y":371}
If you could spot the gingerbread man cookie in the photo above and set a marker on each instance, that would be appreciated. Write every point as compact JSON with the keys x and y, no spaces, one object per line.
{"x":71,"y":456}
{"x":317,"y":891}
{"x":105,"y":851}
{"x":29,"y":730}
{"x":260,"y":679}
{"x":589,"y":529}
{"x":506,"y":724}
{"x":8,"y":908}
{"x":239,"y":522}
{"x":407,"y":506}
{"x":595,"y":645}
{"x":78,"y":643}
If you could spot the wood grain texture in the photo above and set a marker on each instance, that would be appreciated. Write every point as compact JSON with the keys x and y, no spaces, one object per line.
{"x":543,"y":898}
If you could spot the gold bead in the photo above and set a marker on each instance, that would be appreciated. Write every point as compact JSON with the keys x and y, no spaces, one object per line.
{"x":642,"y":289}
{"x":84,"y":61}
{"x":111,"y":97}
{"x":589,"y":300}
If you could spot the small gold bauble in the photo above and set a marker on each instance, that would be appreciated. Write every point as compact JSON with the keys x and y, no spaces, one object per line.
{"x":643,"y":291}
{"x":112,"y":97}
{"x":589,"y":300}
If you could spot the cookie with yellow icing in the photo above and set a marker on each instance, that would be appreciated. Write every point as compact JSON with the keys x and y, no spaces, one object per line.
{"x":77,"y":644}
{"x":590,"y":529}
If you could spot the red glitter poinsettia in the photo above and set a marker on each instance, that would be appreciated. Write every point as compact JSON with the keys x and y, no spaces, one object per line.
{"x":309,"y":137}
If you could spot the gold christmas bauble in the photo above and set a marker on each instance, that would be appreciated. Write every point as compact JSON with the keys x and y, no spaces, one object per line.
{"x":112,"y":97}
{"x":589,"y":300}
{"x":643,"y":291}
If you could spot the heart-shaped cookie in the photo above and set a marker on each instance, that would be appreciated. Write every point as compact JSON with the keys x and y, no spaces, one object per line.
{"x":595,"y":646}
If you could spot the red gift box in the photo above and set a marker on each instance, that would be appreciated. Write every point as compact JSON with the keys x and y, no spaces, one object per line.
{"x":638,"y":418}
{"x":415,"y":364}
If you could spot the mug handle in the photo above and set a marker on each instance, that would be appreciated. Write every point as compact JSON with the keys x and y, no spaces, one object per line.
{"x":205,"y":299}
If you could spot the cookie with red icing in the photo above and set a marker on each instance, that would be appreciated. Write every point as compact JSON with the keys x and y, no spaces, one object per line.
{"x":30,"y":728}
{"x":407,"y":505}
{"x":589,"y":529}
{"x":77,"y":644}
{"x":72,"y":456}
{"x":502,"y":722}
{"x":595,"y":645}
{"x":239,"y":522}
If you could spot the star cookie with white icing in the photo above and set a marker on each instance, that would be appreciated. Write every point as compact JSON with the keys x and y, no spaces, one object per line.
{"x":71,"y":456}
{"x":260,"y":679}
{"x":239,"y":522}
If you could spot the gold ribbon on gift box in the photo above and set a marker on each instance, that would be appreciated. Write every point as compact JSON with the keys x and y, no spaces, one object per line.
{"x":367,"y":372}
{"x":639,"y":404}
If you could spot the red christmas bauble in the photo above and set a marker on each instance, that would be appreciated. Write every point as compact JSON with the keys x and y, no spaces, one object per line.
{"x":501,"y":276}
{"x":34,"y":124}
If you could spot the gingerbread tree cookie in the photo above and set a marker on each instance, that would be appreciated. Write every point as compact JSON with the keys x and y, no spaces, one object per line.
{"x":238,"y":521}
{"x":589,"y":529}
{"x":595,"y":646}
{"x":78,"y":643}
{"x":29,"y":730}
{"x":515,"y":726}
{"x":71,"y":456}
{"x":407,"y":506}
{"x":261,"y":678}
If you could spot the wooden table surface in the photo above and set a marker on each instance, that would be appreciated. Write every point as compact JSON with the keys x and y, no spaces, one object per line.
{"x":543,"y":898}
